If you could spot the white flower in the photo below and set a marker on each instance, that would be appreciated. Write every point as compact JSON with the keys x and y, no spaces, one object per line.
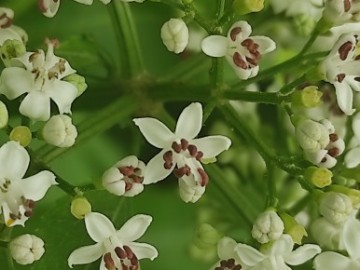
{"x":60,"y":131}
{"x":175,"y":35}
{"x":27,"y":248}
{"x":267,"y":227}
{"x":240,"y":50}
{"x":351,"y":241}
{"x":342,"y":69}
{"x":312,"y":135}
{"x":17,"y":195}
{"x":335,"y":207}
{"x":117,"y":249}
{"x":180,"y":149}
{"x":278,"y":256}
{"x":7,"y":29}
{"x":326,"y":234}
{"x":189,"y":188}
{"x":40,"y":76}
{"x":125,"y":177}
{"x":229,"y":258}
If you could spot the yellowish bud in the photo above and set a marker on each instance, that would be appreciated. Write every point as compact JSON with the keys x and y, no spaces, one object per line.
{"x":21,"y":134}
{"x":206,"y":236}
{"x":308,"y":97}
{"x":78,"y":81}
{"x":11,"y":48}
{"x":319,"y":177}
{"x":293,"y":228}
{"x":242,"y":7}
{"x":80,"y":206}
{"x":208,"y":160}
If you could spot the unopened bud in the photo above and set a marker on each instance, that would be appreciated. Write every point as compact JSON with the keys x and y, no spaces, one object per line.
{"x":242,"y":7}
{"x":206,"y":236}
{"x":293,"y":228}
{"x":21,"y":134}
{"x":189,"y":189}
{"x":335,"y":207}
{"x":326,"y":234}
{"x":11,"y":48}
{"x":59,"y":131}
{"x":80,"y":206}
{"x":308,"y":97}
{"x":26,"y":249}
{"x":353,"y":194}
{"x":267,"y":227}
{"x":319,"y":177}
{"x":4,"y":115}
{"x":175,"y":35}
{"x":311,"y":135}
{"x":78,"y":81}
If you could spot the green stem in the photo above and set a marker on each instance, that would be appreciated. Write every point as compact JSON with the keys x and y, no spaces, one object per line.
{"x":288,"y":88}
{"x":271,"y":196}
{"x":258,"y":97}
{"x":220,"y":9}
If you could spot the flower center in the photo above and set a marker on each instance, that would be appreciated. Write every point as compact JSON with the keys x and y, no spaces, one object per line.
{"x":229,"y":264}
{"x":125,"y":259}
{"x":131,"y":175}
{"x":248,"y":55}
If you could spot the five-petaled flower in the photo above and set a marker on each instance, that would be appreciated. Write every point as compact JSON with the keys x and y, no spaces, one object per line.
{"x":40,"y":76}
{"x":17,"y":195}
{"x":242,"y":51}
{"x":181,"y":150}
{"x":117,"y":248}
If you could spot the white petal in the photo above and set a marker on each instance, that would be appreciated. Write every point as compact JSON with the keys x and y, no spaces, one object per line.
{"x":283,"y":246}
{"x":249,"y":255}
{"x":212,"y":146}
{"x":356,"y":125}
{"x":190,"y":121}
{"x":243,"y":34}
{"x":134,"y":228}
{"x":351,"y":238}
{"x":315,"y":157}
{"x":98,"y":226}
{"x":136,"y":189}
{"x":155,"y":132}
{"x":155,"y":171}
{"x":344,"y":97}
{"x":190,"y":190}
{"x":36,"y":186}
{"x":131,"y":161}
{"x":144,"y":251}
{"x":215,"y":46}
{"x":226,"y":247}
{"x":49,"y":7}
{"x":352,"y":158}
{"x":63,"y":94}
{"x":332,"y":261}
{"x":302,"y":254}
{"x":85,"y":2}
{"x":14,"y":160}
{"x":36,"y":105}
{"x":16,"y":81}
{"x":86,"y":254}
{"x":243,"y":74}
{"x":266,"y":44}
{"x":106,"y":1}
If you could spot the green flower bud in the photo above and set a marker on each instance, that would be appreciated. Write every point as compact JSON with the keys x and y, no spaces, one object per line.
{"x":293,"y":228}
{"x":319,"y":177}
{"x":308,"y":97}
{"x":80,"y":206}
{"x":78,"y":81}
{"x":242,"y":7}
{"x":11,"y":48}
{"x":353,"y":194}
{"x":206,"y":236}
{"x":4,"y":115}
{"x":21,"y":134}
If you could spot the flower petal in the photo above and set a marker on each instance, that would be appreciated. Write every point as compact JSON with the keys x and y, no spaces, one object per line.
{"x":155,"y":132}
{"x":14,"y":160}
{"x":86,"y":254}
{"x":356,"y":125}
{"x":85,"y":2}
{"x":212,"y":146}
{"x":190,"y":190}
{"x":283,"y":246}
{"x":226,"y":248}
{"x":98,"y":226}
{"x":36,"y":105}
{"x":352,"y":158}
{"x":15,"y":81}
{"x":266,"y":44}
{"x":215,"y":46}
{"x":249,"y":255}
{"x":49,"y":7}
{"x":190,"y":121}
{"x":351,"y":237}
{"x":155,"y":171}
{"x":239,"y":36}
{"x":62,"y":93}
{"x":302,"y":254}
{"x":134,"y":228}
{"x":331,"y":261}
{"x":344,"y":97}
{"x":143,"y":250}
{"x":35,"y":187}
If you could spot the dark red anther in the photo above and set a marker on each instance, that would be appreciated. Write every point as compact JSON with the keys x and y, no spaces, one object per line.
{"x":128,"y":186}
{"x":176,"y":147}
{"x":168,"y":166}
{"x":199,"y":155}
{"x":127,"y":170}
{"x":134,"y":260}
{"x":333,"y":137}
{"x":230,"y":263}
{"x":129,"y":253}
{"x":168,"y":156}
{"x":237,"y":267}
{"x":134,"y":267}
{"x":204,"y":177}
{"x":184,"y":144}
{"x":179,"y":173}
{"x":357,"y":79}
{"x":357,"y":57}
{"x":334,"y":152}
{"x":238,"y":61}
{"x":252,"y":61}
{"x":120,"y":252}
{"x":136,"y":178}
{"x":345,"y":49}
{"x":192,"y":150}
{"x":234,"y":32}
{"x":347,"y":5}
{"x":28,"y":213}
{"x":324,"y":160}
{"x":340,"y":77}
{"x":109,"y":262}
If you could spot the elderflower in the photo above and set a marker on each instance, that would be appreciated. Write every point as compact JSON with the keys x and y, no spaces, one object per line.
{"x":26,"y":249}
{"x":175,"y":35}
{"x":241,"y":51}
{"x":59,"y":131}
{"x":268,"y":226}
{"x":116,"y":248}
{"x":335,"y":207}
{"x":180,"y":149}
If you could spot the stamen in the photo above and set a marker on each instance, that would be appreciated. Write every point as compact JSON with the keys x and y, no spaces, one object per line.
{"x":204,"y":177}
{"x":340,"y":77}
{"x":345,"y":49}
{"x":333,"y":137}
{"x":127,"y":171}
{"x":334,"y":152}
{"x":347,"y":5}
{"x":176,"y":147}
{"x":192,"y":150}
{"x":109,"y":262}
{"x":129,"y":252}
{"x":120,"y":253}
{"x":199,"y":155}
{"x":128,"y":186}
{"x":238,"y":61}
{"x":234,"y":32}
{"x":229,"y":264}
{"x":168,"y":156}
{"x":184,"y":144}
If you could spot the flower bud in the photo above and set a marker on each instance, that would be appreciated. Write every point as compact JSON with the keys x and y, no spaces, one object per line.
{"x":353,"y":194}
{"x":6,"y":17}
{"x":11,"y":48}
{"x":4,"y":115}
{"x":80,"y":206}
{"x":242,"y":7}
{"x":78,"y":81}
{"x":319,"y":177}
{"x":293,"y":228}
{"x":59,"y":131}
{"x":175,"y":35}
{"x":26,"y":249}
{"x":326,"y":234}
{"x":189,"y":189}
{"x":21,"y":134}
{"x":206,"y":236}
{"x":125,"y":177}
{"x":308,"y":97}
{"x":335,"y":207}
{"x":267,"y":227}
{"x":311,"y":135}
